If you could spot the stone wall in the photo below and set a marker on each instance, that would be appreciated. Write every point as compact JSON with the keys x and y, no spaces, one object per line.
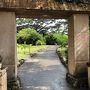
{"x":3,"y":79}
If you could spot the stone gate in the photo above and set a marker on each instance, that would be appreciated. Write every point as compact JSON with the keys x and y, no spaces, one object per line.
{"x":76,"y":11}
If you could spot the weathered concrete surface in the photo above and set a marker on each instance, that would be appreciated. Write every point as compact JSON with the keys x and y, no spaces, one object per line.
{"x":46,"y":4}
{"x":28,"y":8}
{"x":44,"y":72}
{"x":8,"y":42}
{"x":78,"y":54}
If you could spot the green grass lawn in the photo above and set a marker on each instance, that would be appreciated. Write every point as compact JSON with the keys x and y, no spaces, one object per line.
{"x":24,"y":50}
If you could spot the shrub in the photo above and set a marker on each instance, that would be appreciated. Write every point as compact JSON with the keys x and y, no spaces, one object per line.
{"x":28,"y":36}
{"x":61,"y":39}
{"x":57,"y":38}
{"x":50,"y":40}
{"x":39,"y":42}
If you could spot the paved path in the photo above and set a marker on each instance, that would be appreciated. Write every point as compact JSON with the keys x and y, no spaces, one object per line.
{"x":44,"y":72}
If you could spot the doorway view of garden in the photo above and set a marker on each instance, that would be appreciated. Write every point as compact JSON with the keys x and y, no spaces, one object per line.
{"x":36,"y":34}
{"x":39,"y":43}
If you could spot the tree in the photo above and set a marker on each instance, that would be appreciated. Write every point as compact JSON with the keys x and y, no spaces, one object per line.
{"x":43,"y":26}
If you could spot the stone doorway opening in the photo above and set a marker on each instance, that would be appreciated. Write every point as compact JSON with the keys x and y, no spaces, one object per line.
{"x":45,"y":29}
{"x":44,"y":62}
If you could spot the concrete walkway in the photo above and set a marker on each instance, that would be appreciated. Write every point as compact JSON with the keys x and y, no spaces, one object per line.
{"x":44,"y":72}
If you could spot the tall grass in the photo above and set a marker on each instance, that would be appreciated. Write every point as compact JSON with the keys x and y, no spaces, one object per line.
{"x":23,"y":50}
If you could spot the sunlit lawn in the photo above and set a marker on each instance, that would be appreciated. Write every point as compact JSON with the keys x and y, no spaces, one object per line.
{"x":24,"y":50}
